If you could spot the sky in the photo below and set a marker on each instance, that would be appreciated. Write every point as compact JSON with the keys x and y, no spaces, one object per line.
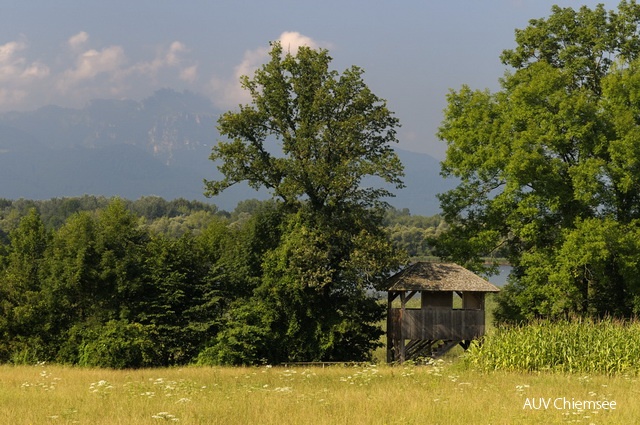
{"x":413,"y":52}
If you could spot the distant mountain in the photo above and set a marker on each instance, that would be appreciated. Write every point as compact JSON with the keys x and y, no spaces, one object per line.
{"x":157,"y":146}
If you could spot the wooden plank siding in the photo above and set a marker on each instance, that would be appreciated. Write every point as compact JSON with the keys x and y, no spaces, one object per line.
{"x":436,"y":324}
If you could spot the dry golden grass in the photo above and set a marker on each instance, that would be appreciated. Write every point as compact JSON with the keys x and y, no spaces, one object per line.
{"x":444,"y":393}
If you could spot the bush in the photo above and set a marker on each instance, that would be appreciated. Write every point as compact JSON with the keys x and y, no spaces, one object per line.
{"x":243,"y":340}
{"x":27,"y":352}
{"x":119,"y":345}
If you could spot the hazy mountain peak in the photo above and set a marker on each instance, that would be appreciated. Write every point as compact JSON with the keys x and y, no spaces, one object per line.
{"x":159,"y":145}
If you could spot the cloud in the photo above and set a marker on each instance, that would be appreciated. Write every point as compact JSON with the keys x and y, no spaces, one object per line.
{"x":15,"y":68}
{"x":93,"y":73}
{"x":10,"y":62}
{"x":167,"y":58}
{"x":227,"y":92}
{"x":93,"y":62}
{"x":172,"y":56}
{"x":35,"y":70}
{"x":189,"y":74}
{"x":18,"y":73}
{"x":291,"y":41}
{"x":109,"y":72}
{"x":26,"y":83}
{"x":9,"y":50}
{"x":81,"y":71}
{"x":9,"y":97}
{"x":78,"y":40}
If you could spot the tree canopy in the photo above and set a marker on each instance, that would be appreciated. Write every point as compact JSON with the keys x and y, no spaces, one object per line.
{"x":331,"y":132}
{"x":549,"y":167}
{"x":321,"y":142}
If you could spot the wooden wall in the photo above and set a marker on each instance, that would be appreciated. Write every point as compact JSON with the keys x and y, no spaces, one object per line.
{"x":436,"y":323}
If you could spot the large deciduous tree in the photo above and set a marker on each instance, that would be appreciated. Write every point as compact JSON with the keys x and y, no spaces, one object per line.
{"x":332,"y":131}
{"x":321,"y":142}
{"x":550,"y":167}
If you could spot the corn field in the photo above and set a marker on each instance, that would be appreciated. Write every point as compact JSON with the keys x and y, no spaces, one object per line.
{"x":575,"y":346}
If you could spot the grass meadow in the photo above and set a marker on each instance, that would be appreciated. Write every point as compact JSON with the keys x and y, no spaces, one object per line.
{"x":474,"y":388}
{"x":446,"y":392}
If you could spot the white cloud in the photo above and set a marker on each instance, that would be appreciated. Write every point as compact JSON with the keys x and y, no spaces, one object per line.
{"x":8,"y":50}
{"x":94,"y":62}
{"x":109,"y":72}
{"x":10,"y":62}
{"x":15,"y":68}
{"x":78,"y":40}
{"x":227,"y":93}
{"x":171,"y":57}
{"x":291,"y":41}
{"x":82,"y":71}
{"x":17,"y":73}
{"x":190,"y":74}
{"x":35,"y":70}
{"x":94,"y":73}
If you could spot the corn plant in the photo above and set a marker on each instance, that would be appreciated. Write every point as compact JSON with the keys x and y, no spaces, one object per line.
{"x":576,"y":346}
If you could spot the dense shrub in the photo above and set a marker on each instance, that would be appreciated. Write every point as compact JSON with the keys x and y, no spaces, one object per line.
{"x":119,"y":345}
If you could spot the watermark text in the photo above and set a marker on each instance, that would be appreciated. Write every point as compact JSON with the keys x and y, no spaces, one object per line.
{"x":564,"y":403}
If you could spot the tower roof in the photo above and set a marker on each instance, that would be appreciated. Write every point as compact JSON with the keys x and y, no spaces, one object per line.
{"x":428,"y":276}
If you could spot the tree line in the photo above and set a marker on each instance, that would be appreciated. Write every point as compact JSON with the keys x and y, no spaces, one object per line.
{"x":414,"y":234}
{"x":111,"y":282}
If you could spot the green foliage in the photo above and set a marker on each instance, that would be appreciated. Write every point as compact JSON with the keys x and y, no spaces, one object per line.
{"x":307,"y":273}
{"x":20,"y":299}
{"x":246,"y":338}
{"x":548,"y":167}
{"x":575,"y":346}
{"x":174,"y":217}
{"x":119,"y":345}
{"x":305,"y":307}
{"x":179,"y":297}
{"x":116,"y":283}
{"x":413,"y":234}
{"x":319,"y":303}
{"x":72,"y":290}
{"x":240,"y":289}
{"x":102,"y":276}
{"x":333,"y":132}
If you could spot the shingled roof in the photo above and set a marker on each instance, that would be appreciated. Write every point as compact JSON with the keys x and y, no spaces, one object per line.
{"x":427,"y":276}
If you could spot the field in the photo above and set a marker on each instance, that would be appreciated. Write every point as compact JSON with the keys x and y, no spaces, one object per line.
{"x":449,"y":391}
{"x":443,"y":393}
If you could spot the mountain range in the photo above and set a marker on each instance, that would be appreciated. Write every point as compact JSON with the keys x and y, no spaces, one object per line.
{"x":157,"y":146}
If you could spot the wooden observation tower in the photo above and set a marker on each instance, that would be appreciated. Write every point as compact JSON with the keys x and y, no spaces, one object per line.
{"x":436,"y":326}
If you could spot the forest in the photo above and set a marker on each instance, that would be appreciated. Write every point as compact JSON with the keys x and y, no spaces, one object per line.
{"x":110,"y":282}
